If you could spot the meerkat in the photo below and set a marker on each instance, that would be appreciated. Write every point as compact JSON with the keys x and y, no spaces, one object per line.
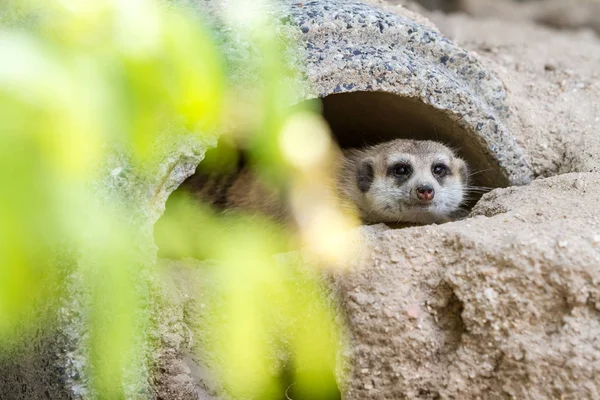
{"x":399,"y":181}
{"x":404,"y":181}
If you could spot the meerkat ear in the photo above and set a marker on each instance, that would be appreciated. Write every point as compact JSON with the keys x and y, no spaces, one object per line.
{"x":365,"y":175}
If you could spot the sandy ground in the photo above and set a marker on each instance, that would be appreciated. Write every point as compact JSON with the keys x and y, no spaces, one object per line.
{"x":552,"y":78}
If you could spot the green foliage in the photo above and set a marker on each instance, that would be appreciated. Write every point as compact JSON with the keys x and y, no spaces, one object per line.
{"x":79,"y":78}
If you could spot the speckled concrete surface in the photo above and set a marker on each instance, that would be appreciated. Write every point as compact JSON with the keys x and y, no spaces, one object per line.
{"x":353,"y":47}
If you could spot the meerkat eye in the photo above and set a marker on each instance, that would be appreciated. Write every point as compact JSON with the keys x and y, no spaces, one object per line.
{"x":401,"y":169}
{"x":440,"y":170}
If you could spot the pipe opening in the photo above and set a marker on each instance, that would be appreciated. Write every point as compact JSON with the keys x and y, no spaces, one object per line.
{"x":359,"y":119}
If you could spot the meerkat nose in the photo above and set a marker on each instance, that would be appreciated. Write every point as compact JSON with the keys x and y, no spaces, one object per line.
{"x":425,"y":192}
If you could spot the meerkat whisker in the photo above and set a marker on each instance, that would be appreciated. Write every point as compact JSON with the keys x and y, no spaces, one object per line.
{"x":473,"y":173}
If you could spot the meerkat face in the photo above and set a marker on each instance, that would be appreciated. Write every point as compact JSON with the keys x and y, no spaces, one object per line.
{"x":409,"y":181}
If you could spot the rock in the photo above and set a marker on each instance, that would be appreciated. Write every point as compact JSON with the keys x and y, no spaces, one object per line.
{"x":52,"y":362}
{"x":383,"y":75}
{"x":509,"y":313}
{"x":384,"y":72}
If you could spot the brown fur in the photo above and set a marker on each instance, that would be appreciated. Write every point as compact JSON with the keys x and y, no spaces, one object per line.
{"x":238,"y":189}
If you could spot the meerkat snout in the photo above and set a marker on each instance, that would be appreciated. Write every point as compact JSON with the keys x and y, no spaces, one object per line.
{"x":404,"y":181}
{"x":425,"y":192}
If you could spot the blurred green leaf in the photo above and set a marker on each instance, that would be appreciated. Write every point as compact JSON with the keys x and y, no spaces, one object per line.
{"x":80,"y":79}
